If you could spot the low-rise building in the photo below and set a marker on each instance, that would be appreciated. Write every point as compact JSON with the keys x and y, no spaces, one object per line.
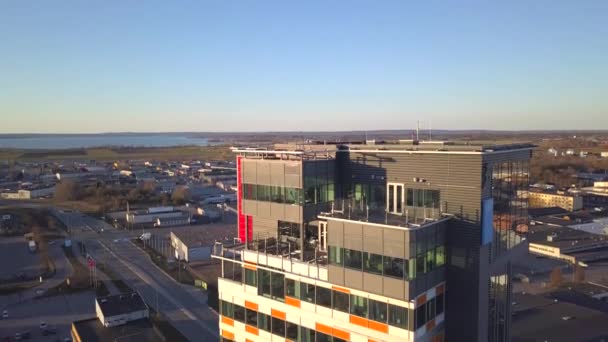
{"x":119,"y":318}
{"x":537,"y":199}
{"x":120,"y":309}
{"x":189,"y":246}
{"x":29,"y":193}
{"x":604,"y":154}
{"x":152,"y":215}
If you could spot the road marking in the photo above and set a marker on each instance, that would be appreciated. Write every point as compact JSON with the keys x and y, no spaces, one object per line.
{"x":158,"y":288}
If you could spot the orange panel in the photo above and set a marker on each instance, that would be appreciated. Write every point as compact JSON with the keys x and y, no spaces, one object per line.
{"x":440,"y":289}
{"x":278,"y":314}
{"x":345,"y":335}
{"x":381,"y":327}
{"x":248,"y":340}
{"x":252,"y":330}
{"x":323,"y":328}
{"x":341,"y":289}
{"x":251,"y":305}
{"x":227,"y":334}
{"x":292,"y":301}
{"x":250,"y":266}
{"x":358,"y":321}
{"x":421,"y":300}
{"x":370,"y":340}
{"x":227,"y":320}
{"x":430,"y":325}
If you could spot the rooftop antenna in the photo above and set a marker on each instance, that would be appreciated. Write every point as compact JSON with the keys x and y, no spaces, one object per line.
{"x":430,"y":130}
{"x":417,"y":130}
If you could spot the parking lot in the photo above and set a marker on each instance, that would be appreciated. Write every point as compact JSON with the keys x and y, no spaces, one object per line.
{"x":57,"y":312}
{"x":18,"y":259}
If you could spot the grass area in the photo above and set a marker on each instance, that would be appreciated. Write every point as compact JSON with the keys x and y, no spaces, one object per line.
{"x":165,"y":328}
{"x":182,"y":276}
{"x":218,"y":152}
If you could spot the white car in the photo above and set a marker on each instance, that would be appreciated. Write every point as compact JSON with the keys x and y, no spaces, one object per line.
{"x":43,"y":325}
{"x":5,"y":314}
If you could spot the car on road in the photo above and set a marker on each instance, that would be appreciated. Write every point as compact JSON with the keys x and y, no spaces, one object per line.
{"x":43,"y":325}
{"x":49,"y":331}
{"x":4,"y":314}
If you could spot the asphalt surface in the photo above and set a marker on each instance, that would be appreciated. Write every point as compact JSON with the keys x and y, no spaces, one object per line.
{"x":184,"y":306}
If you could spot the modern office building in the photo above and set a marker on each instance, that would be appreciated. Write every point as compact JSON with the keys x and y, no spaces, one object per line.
{"x":381,"y":242}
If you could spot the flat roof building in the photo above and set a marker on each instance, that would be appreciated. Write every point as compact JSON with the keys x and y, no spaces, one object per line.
{"x":383,"y":242}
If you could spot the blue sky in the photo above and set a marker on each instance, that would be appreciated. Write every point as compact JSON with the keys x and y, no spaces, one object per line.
{"x":100,"y":66}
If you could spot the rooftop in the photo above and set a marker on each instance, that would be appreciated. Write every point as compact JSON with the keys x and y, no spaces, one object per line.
{"x":536,"y":318}
{"x":381,"y":217}
{"x":565,"y":238}
{"x":204,"y":235}
{"x":327,"y":150}
{"x":121,"y":304}
{"x":142,"y":330}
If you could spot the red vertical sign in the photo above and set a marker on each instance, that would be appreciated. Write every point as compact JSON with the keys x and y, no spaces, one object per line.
{"x":239,"y":185}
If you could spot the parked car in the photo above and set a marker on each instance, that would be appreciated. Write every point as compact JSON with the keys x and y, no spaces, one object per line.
{"x":5,"y":314}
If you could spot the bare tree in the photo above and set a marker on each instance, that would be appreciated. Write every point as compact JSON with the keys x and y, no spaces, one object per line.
{"x":180,"y":195}
{"x":67,"y":190}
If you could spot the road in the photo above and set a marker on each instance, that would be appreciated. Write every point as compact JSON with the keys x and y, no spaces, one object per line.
{"x":184,"y":306}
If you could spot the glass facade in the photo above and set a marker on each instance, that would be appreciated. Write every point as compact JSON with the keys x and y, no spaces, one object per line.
{"x":499,"y":308}
{"x":510,"y":182}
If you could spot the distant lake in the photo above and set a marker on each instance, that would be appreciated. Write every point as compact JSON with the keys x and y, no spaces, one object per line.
{"x":80,"y":141}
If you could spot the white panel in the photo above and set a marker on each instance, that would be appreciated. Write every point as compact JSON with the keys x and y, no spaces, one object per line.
{"x":341,"y":316}
{"x":401,"y":333}
{"x":265,"y":305}
{"x":251,"y":290}
{"x":308,"y":307}
{"x":239,"y":300}
{"x":275,"y":261}
{"x":264,"y":335}
{"x":358,"y":338}
{"x":323,"y":273}
{"x":308,"y":321}
{"x":325,"y":312}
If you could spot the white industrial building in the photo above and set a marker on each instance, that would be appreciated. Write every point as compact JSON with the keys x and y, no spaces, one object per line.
{"x":153,"y":215}
{"x":190,"y":246}
{"x":120,"y":309}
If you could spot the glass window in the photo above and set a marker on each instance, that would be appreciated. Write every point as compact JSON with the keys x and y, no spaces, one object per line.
{"x":227,"y":309}
{"x":307,"y":292}
{"x":440,"y":255}
{"x":263,"y":322}
{"x":251,"y":277}
{"x":430,"y":309}
{"x":292,"y":196}
{"x":323,"y":296}
{"x":306,"y":335}
{"x":278,"y":326}
{"x":397,"y":316}
{"x":399,"y":198}
{"x":321,"y":337}
{"x":352,"y":259}
{"x":372,"y":263}
{"x":263,"y":192}
{"x":336,"y":256}
{"x":277,"y":194}
{"x":292,"y":331}
{"x":358,"y":306}
{"x":292,"y":288}
{"x":377,"y":311}
{"x":251,"y":317}
{"x":420,"y":316}
{"x":239,"y":313}
{"x":340,"y":302}
{"x":430,"y":259}
{"x":420,"y":264}
{"x":264,"y":282}
{"x":331,"y":192}
{"x":439,"y":304}
{"x":394,"y":267}
{"x":410,"y":198}
{"x":411,"y":269}
{"x":278,"y":286}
